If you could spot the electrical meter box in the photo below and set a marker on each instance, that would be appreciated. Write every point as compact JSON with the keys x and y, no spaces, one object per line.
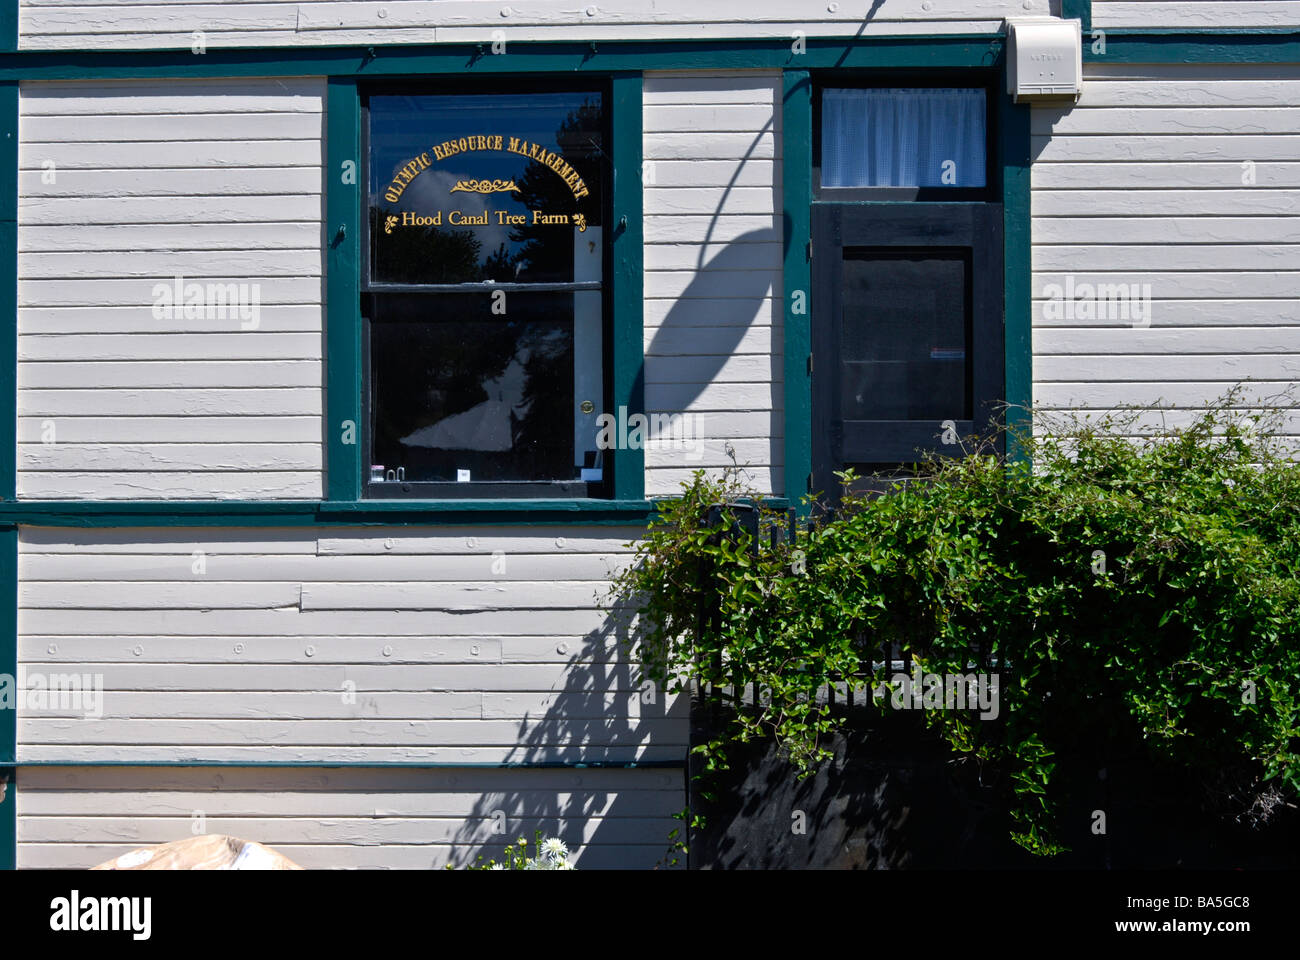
{"x":1044,"y":59}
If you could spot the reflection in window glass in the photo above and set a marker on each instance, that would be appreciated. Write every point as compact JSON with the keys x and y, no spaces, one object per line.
{"x":904,"y":335}
{"x":889,"y":137}
{"x":472,"y":187}
{"x":454,"y":388}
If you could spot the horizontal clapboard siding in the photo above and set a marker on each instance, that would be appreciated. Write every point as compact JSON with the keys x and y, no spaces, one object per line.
{"x":442,"y":646}
{"x":367,"y":818}
{"x":124,"y":187}
{"x":713,"y":273}
{"x":142,"y":24}
{"x":1195,"y":13}
{"x":1145,"y":186}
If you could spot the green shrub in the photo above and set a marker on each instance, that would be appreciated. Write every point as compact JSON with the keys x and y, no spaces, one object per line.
{"x":1124,"y":591}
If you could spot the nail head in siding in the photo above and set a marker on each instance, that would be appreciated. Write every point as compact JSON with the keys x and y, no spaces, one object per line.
{"x":388,"y":651}
{"x":560,"y":542}
{"x":138,"y":650}
{"x":471,"y":542}
{"x":562,"y":648}
{"x":591,"y":11}
{"x":505,"y":11}
{"x":310,"y":651}
{"x":388,"y":544}
{"x":239,"y":648}
{"x":53,"y":648}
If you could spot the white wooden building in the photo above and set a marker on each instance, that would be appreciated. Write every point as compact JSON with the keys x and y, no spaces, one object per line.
{"x":290,"y":513}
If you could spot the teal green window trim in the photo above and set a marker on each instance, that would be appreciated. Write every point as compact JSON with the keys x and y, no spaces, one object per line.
{"x":1080,"y":10}
{"x":1014,"y":166}
{"x":8,"y":25}
{"x":311,"y":513}
{"x":605,"y":57}
{"x":343,"y":190}
{"x":1222,"y":45}
{"x":343,"y":425}
{"x":796,"y":185}
{"x":627,"y":299}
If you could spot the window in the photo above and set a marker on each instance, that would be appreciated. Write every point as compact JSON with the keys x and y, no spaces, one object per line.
{"x":907,"y":320}
{"x":484,"y":293}
{"x":902,"y":142}
{"x":890,"y":137}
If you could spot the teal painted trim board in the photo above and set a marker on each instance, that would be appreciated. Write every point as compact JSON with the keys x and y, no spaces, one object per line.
{"x":8,"y":25}
{"x":343,"y":189}
{"x":964,"y":50}
{"x":796,"y":191}
{"x":626,"y":299}
{"x":299,"y":513}
{"x":1014,"y":168}
{"x":1080,"y":10}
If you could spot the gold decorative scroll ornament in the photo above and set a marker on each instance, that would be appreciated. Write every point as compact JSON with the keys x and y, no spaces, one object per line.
{"x":485,"y":186}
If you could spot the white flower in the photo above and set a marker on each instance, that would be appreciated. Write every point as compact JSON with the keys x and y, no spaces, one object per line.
{"x":554,"y":849}
{"x":497,"y":866}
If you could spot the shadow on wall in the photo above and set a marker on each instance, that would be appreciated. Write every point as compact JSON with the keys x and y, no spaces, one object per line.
{"x":623,"y":817}
{"x":611,"y":814}
{"x":727,"y":293}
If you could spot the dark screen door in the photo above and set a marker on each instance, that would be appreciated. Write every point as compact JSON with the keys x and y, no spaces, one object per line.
{"x":906,"y":331}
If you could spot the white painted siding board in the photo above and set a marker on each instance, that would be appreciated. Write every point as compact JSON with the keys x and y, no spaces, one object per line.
{"x":214,"y":181}
{"x":1157,"y":176}
{"x":346,"y":818}
{"x":254,"y":345}
{"x":1157,"y":120}
{"x":134,"y":319}
{"x":1191,"y":283}
{"x":166,"y":373}
{"x":151,"y":457}
{"x":190,"y":485}
{"x":152,"y":403}
{"x":134,"y":24}
{"x":1193,"y":257}
{"x":1142,"y":184}
{"x":1106,"y":202}
{"x":416,"y":621}
{"x":550,"y":567}
{"x":1167,"y":230}
{"x":154,"y":182}
{"x":1233,"y":314}
{"x":1225,"y":146}
{"x":1197,"y":14}
{"x":1183,"y":341}
{"x":177,"y":429}
{"x":713,"y":271}
{"x":199,"y":210}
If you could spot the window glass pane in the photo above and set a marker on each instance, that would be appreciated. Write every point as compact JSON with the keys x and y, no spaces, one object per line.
{"x":904,"y":335}
{"x":456,"y":387}
{"x":472,"y":187}
{"x":903,"y":138}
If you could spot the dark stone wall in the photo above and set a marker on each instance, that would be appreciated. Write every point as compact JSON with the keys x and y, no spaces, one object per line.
{"x":895,"y":797}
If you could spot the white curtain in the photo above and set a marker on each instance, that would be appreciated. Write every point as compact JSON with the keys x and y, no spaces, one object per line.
{"x":903,"y":138}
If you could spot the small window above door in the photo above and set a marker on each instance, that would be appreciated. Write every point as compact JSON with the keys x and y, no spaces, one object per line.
{"x":902,"y":143}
